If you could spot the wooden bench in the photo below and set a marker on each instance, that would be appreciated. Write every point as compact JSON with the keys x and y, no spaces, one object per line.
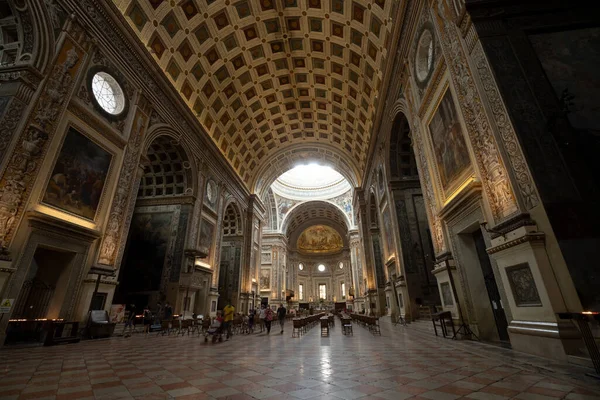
{"x":324,"y":326}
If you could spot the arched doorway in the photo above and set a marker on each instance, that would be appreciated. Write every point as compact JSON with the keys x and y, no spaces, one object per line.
{"x":231,"y":257}
{"x":154,"y":252}
{"x":418,"y":256}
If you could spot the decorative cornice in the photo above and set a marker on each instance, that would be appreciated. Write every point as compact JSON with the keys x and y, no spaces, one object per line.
{"x":511,"y":224}
{"x":530,"y":237}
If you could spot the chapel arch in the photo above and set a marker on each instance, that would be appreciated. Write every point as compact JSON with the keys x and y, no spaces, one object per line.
{"x":416,"y":247}
{"x":153,"y":259}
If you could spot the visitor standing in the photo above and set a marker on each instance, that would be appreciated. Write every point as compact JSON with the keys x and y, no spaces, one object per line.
{"x":268,"y":318}
{"x":130,"y":320}
{"x":168,"y":312}
{"x":261,"y":317}
{"x":147,"y":319}
{"x":251,"y":316}
{"x":281,"y":311}
{"x":229,"y":310}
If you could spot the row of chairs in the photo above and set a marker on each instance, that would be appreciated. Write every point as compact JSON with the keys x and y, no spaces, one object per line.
{"x":372,"y":323}
{"x":303,"y":324}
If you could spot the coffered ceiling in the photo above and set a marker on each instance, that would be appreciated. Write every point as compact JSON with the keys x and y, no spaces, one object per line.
{"x":267,"y":76}
{"x":312,"y":213}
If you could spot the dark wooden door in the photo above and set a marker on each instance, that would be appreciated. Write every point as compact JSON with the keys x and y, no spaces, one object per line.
{"x":492,"y":287}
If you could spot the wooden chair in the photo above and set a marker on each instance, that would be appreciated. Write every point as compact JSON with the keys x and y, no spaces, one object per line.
{"x":324,"y":326}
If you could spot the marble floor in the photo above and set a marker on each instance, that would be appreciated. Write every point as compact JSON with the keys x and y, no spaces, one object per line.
{"x":402,"y":363}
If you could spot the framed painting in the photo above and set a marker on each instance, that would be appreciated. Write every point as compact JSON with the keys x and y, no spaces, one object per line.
{"x":210,"y":194}
{"x":78,"y":177}
{"x":207,"y":234}
{"x":265,"y":279}
{"x":388,"y":232}
{"x":449,"y":145}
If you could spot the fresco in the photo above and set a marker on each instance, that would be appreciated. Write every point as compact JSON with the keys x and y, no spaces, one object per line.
{"x":147,"y":250}
{"x":78,"y":176}
{"x":265,"y":279}
{"x":207,"y":230}
{"x":449,"y":146}
{"x":344,"y":201}
{"x":388,"y":232}
{"x":320,"y":239}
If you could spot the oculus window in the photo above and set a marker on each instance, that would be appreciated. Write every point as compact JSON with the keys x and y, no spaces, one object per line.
{"x":321,"y":268}
{"x":108,"y":93}
{"x":300,"y":267}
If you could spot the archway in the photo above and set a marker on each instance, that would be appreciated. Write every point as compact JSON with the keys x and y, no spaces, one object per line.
{"x":154,"y":252}
{"x":415,"y":237}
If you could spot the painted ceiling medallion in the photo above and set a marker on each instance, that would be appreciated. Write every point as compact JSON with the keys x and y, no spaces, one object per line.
{"x":262,"y":76}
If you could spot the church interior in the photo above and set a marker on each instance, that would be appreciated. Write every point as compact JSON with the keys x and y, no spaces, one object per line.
{"x":407,"y":161}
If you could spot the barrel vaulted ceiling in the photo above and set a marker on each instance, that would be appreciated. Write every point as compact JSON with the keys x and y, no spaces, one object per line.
{"x":264,"y":76}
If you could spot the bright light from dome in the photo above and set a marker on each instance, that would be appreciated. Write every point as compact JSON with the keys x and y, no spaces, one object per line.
{"x":311,"y":176}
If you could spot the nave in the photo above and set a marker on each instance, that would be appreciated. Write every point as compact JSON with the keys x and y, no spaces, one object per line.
{"x":402,"y":363}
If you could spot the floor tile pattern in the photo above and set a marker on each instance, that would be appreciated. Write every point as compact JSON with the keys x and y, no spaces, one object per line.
{"x":403,"y":363}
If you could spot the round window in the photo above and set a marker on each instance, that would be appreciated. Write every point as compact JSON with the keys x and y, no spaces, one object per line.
{"x":300,"y":267}
{"x":341,"y":265}
{"x":108,"y":93}
{"x":321,"y":267}
{"x":424,"y":56}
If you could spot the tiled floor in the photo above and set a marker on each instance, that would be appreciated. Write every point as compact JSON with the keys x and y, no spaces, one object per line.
{"x":403,"y":363}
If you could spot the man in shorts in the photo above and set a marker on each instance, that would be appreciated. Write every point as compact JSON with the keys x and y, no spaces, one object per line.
{"x":228,"y":312}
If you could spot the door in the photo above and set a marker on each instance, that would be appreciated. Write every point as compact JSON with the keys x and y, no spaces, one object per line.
{"x":492,"y":287}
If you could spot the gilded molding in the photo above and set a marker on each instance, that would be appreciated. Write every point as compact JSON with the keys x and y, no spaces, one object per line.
{"x":23,"y":167}
{"x":494,"y":175}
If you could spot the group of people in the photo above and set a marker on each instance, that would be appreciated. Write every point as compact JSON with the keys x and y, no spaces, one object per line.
{"x":164,"y":312}
{"x":263,"y":317}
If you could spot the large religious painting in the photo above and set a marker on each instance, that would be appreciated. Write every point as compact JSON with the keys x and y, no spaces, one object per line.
{"x":388,"y":232}
{"x":78,"y":177}
{"x":265,"y":279}
{"x":449,"y":146}
{"x":146,"y":253}
{"x":320,"y":239}
{"x":207,"y":231}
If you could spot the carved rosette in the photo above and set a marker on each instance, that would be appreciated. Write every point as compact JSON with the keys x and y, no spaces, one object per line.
{"x":493,"y":172}
{"x":126,"y":191}
{"x":23,"y":167}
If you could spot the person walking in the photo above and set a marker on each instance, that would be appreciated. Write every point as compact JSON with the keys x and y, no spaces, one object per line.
{"x":130,"y":321}
{"x":168,"y":312}
{"x":228,"y":312}
{"x":268,"y":318}
{"x":281,"y":312}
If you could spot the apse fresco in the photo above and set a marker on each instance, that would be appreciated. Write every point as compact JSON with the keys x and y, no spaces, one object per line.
{"x":449,"y":147}
{"x":78,"y":176}
{"x":320,"y":239}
